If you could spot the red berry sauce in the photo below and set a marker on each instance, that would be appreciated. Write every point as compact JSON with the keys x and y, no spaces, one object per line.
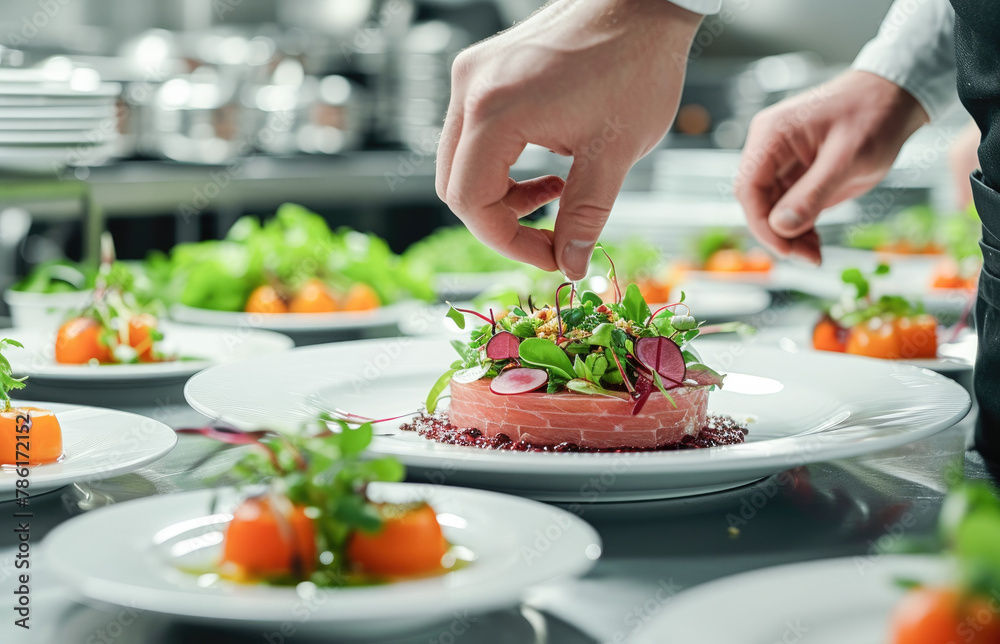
{"x":718,"y":430}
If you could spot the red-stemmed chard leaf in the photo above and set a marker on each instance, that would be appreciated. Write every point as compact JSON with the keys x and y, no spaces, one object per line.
{"x":662,"y":356}
{"x":519,"y":381}
{"x":487,"y":320}
{"x":643,"y":388}
{"x":503,"y":346}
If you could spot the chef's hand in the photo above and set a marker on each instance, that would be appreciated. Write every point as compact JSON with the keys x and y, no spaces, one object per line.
{"x":814,"y":150}
{"x":598,"y":80}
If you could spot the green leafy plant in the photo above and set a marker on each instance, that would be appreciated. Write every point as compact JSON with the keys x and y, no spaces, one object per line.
{"x":8,"y":382}
{"x":294,"y":246}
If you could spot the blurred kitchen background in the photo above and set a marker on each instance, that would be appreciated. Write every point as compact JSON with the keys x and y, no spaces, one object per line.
{"x":166,"y":121}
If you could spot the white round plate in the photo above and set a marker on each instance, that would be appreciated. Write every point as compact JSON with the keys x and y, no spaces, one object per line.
{"x":55,"y":124}
{"x":954,"y":358}
{"x":516,"y":544}
{"x":804,"y":408}
{"x":910,"y":276}
{"x":45,"y":93}
{"x":97,"y":444}
{"x":717,"y":300}
{"x":46,"y":158}
{"x":832,"y":601}
{"x":291,"y":322}
{"x":60,"y":113}
{"x":203,"y":346}
{"x":25,"y":136}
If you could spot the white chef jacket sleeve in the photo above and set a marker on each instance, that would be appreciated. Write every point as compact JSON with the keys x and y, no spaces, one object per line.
{"x":915,"y":49}
{"x":705,"y":7}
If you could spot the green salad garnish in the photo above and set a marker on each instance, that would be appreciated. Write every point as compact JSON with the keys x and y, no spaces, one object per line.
{"x":586,"y":346}
{"x":8,"y":382}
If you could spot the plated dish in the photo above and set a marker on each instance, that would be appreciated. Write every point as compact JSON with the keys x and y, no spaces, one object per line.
{"x":313,"y":521}
{"x":200,"y":347}
{"x":29,"y":436}
{"x":804,"y":408}
{"x":136,"y":564}
{"x":887,"y":327}
{"x":96,"y":444}
{"x":872,"y":597}
{"x":588,"y":376}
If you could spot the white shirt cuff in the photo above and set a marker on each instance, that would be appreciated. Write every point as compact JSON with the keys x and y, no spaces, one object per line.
{"x":915,"y":49}
{"x":704,"y":7}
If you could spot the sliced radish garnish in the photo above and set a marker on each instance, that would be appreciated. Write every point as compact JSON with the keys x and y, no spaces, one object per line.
{"x":503,"y":346}
{"x":518,"y":381}
{"x":662,"y":356}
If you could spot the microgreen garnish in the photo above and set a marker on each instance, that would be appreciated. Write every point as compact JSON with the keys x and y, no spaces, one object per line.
{"x":319,"y":469}
{"x":8,"y":382}
{"x":612,"y":273}
{"x":863,"y":307}
{"x":455,"y":314}
{"x":585,"y":346}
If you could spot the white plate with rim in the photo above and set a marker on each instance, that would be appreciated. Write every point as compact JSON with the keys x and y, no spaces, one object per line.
{"x":340,"y":320}
{"x":515,"y":544}
{"x":848,"y":599}
{"x":804,"y":408}
{"x":97,"y":444}
{"x":59,"y":113}
{"x":197,"y":348}
{"x":909,"y":276}
{"x":954,"y":357}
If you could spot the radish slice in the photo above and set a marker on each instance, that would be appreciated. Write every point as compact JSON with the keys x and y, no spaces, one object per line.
{"x":662,"y":356}
{"x":502,"y":346}
{"x":518,"y":381}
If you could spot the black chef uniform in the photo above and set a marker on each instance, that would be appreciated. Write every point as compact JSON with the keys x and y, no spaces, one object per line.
{"x":977,"y":48}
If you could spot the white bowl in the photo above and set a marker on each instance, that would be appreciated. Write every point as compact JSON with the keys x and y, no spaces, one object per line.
{"x":43,"y":310}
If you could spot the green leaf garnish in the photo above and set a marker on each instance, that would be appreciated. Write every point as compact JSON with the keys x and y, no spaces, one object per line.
{"x":636,"y":308}
{"x":8,"y":382}
{"x":456,"y":316}
{"x":544,"y":354}
{"x":434,"y":395}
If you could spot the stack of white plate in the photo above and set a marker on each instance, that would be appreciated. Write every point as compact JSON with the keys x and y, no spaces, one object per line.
{"x":56,"y":116}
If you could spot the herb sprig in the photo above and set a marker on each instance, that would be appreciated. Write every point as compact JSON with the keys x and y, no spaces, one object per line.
{"x":8,"y":382}
{"x":863,"y":307}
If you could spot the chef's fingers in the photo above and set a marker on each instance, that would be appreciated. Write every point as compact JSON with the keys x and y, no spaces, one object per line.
{"x":796,"y":211}
{"x":480,"y":192}
{"x":806,"y":246}
{"x":525,"y":197}
{"x":757,"y":187}
{"x":447,"y":144}
{"x":591,"y":189}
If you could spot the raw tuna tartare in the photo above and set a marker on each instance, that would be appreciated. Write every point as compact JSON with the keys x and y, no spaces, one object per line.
{"x":583,"y":375}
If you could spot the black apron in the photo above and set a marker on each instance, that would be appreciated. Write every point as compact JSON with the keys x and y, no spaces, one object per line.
{"x":977,"y":49}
